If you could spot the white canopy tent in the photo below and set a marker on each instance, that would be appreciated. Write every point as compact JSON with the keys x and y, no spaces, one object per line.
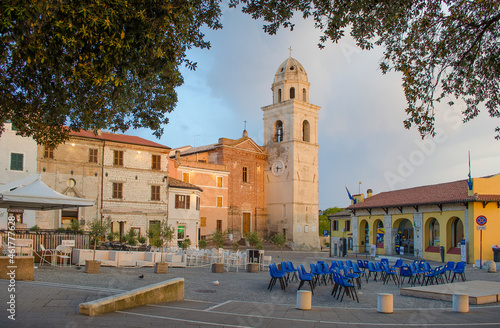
{"x":32,"y":194}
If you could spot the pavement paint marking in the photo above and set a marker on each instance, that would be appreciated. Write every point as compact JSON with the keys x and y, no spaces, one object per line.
{"x":183,"y":320}
{"x":216,"y":306}
{"x":326,"y":321}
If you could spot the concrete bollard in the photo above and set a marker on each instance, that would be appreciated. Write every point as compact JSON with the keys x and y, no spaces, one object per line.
{"x":304,"y":298}
{"x":385,"y":303}
{"x":461,"y":303}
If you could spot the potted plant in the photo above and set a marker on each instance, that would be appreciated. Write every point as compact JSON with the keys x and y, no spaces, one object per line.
{"x":218,"y":238}
{"x":130,"y":237}
{"x":161,"y":233}
{"x":185,"y":244}
{"x":254,"y":254}
{"x":97,"y":232}
{"x":202,"y":244}
{"x":279,"y":240}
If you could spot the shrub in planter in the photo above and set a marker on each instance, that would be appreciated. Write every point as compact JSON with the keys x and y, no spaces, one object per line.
{"x":161,"y":234}
{"x":97,"y":231}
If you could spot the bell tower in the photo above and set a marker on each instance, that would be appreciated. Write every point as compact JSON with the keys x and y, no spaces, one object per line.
{"x":291,"y":140}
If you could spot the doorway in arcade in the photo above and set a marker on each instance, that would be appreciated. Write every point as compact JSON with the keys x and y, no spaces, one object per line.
{"x":404,"y":237}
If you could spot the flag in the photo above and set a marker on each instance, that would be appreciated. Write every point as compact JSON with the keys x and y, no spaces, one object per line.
{"x":469,"y":181}
{"x":349,"y":194}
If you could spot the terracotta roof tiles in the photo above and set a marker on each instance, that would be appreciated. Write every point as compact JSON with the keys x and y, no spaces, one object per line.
{"x":444,"y":193}
{"x":122,"y":138}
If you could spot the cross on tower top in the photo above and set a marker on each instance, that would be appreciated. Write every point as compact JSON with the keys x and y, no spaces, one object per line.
{"x":245,"y":124}
{"x":290,"y":51}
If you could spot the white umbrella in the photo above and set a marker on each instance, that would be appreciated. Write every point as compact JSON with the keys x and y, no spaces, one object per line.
{"x":32,"y":194}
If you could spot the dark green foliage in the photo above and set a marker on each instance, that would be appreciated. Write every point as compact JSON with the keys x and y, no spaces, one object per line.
{"x":445,"y":50}
{"x":95,"y":64}
{"x":324,"y":222}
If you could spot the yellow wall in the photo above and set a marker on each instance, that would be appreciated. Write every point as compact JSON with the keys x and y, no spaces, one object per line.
{"x":486,"y":186}
{"x":372,"y":226}
{"x":444,"y":219}
{"x":490,"y":235}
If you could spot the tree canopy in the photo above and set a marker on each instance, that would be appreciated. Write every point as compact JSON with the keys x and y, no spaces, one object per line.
{"x":95,"y":64}
{"x":446,"y":50}
{"x":114,"y":64}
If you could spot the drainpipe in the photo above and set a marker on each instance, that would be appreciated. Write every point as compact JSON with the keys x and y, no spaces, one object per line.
{"x":102,"y":176}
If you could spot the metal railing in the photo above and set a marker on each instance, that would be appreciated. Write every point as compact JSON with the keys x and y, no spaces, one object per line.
{"x":49,"y":239}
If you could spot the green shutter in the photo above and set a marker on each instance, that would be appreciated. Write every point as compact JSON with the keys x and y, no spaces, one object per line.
{"x":16,"y":162}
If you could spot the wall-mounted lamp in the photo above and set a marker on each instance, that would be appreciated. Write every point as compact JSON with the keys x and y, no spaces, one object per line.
{"x":73,"y":144}
{"x":138,"y":152}
{"x":71,"y":172}
{"x":44,"y":169}
{"x":106,"y":174}
{"x":136,"y":177}
{"x":95,"y":174}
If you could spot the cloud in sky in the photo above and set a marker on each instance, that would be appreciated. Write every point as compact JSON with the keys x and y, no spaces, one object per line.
{"x":361,"y":133}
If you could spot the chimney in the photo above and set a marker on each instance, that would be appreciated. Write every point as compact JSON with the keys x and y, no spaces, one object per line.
{"x":369,"y":193}
{"x":177,"y":154}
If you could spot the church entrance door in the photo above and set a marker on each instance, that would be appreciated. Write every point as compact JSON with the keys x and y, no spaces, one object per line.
{"x":246,"y":223}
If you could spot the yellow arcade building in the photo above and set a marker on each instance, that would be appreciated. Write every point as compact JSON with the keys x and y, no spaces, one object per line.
{"x":419,"y":221}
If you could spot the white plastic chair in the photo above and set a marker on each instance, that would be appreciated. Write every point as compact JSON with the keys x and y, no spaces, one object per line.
{"x":63,"y":253}
{"x":44,"y":253}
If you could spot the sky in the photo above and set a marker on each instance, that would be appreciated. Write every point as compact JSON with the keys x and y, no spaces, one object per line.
{"x":363,"y":143}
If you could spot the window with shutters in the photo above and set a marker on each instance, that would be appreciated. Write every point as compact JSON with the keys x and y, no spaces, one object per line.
{"x":48,"y":152}
{"x":93,"y":155}
{"x":118,"y":158}
{"x":16,"y":162}
{"x":155,"y":193}
{"x":117,"y":190}
{"x":156,"y":162}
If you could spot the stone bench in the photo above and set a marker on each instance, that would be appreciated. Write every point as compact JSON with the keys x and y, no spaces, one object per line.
{"x":166,"y":291}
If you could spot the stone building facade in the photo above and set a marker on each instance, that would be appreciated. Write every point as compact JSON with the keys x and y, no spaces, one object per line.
{"x":126,"y":176}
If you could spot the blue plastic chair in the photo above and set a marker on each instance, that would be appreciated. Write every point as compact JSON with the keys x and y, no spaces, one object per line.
{"x":450,"y":265}
{"x":361,"y":265}
{"x":426,"y":267}
{"x":431,"y":277}
{"x":305,"y":277}
{"x":398,"y":264}
{"x":405,"y":272}
{"x":316,"y":274}
{"x":292,"y":270}
{"x":356,"y":269}
{"x":372,"y":269}
{"x":388,"y":274}
{"x":348,"y":264}
{"x":346,"y":287}
{"x":460,"y":270}
{"x":276,"y":275}
{"x":415,"y":273}
{"x":384,"y":261}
